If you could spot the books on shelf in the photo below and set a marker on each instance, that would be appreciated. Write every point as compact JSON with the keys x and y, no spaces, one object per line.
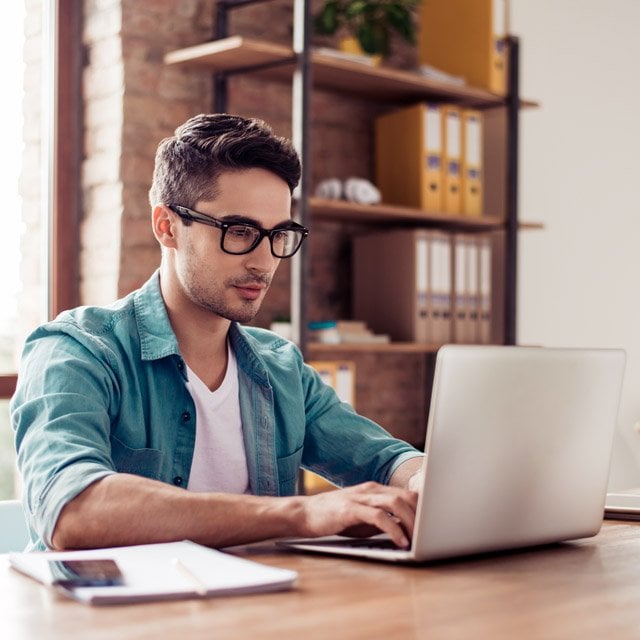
{"x":344,"y":332}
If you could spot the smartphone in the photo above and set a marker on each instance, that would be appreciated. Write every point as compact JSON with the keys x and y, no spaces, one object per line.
{"x":69,"y":574}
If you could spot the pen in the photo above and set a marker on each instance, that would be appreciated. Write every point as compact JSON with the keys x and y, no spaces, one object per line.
{"x":201,"y":587}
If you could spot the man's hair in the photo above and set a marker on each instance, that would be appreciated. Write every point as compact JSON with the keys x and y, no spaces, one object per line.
{"x":189,"y":163}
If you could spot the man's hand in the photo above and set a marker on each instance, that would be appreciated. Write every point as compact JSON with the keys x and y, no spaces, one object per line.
{"x":364,"y":509}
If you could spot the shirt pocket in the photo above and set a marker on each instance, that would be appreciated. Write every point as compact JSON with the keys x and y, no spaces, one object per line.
{"x":141,"y":462}
{"x":288,"y":469}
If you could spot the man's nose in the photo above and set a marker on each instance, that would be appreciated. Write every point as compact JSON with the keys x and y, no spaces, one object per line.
{"x":261,"y":258}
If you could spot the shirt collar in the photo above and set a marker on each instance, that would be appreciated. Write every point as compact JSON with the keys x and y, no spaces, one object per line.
{"x":157,"y":339}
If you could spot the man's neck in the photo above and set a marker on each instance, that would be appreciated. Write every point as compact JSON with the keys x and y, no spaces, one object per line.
{"x":202,"y":336}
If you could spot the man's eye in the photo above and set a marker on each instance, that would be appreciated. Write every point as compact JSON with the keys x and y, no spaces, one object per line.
{"x":241,"y":232}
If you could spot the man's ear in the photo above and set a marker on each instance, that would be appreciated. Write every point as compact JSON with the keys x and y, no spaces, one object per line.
{"x":164,"y":224}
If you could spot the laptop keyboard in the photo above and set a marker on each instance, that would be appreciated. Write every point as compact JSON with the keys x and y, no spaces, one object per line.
{"x":362,"y":543}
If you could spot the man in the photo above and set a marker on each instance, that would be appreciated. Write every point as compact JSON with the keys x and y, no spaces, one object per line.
{"x":161,"y":418}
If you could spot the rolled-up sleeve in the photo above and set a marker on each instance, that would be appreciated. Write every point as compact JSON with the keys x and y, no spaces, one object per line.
{"x":344,"y":446}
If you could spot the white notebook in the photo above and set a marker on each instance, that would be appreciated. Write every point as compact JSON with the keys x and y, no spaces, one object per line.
{"x":162,"y":571}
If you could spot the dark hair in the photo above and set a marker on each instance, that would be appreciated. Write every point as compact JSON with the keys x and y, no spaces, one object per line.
{"x":188,"y":164}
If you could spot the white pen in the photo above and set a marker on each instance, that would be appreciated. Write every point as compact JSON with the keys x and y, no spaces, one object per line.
{"x":201,"y":587}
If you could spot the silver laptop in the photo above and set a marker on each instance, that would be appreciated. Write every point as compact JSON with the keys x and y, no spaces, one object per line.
{"x":518,"y":447}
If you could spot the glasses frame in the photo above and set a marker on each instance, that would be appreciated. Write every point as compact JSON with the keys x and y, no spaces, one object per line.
{"x":195,"y":216}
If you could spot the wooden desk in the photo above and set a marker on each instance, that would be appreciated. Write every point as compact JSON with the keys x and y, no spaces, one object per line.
{"x":585,"y":589}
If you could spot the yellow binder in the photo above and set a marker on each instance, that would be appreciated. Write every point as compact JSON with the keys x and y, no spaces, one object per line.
{"x":409,"y":157}
{"x":471,"y":163}
{"x":466,"y":38}
{"x":451,"y":159}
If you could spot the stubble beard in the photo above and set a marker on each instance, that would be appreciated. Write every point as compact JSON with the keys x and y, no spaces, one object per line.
{"x":213,"y":299}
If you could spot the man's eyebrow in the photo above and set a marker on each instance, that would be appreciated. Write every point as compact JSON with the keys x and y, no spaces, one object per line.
{"x":243,"y":219}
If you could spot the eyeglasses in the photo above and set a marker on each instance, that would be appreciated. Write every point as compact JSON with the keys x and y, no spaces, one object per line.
{"x":239,"y":238}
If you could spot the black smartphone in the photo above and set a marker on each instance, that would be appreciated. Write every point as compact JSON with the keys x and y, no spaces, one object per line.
{"x":102,"y":572}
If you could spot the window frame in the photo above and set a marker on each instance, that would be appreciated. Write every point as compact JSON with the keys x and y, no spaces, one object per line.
{"x":64,"y":137}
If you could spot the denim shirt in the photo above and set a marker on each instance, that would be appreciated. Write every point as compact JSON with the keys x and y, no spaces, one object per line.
{"x":102,"y":390}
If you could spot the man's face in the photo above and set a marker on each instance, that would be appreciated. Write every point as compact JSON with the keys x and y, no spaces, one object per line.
{"x":233,"y":286}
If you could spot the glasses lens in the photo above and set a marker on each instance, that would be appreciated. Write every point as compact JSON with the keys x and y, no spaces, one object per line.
{"x":240,"y":238}
{"x":285,"y":242}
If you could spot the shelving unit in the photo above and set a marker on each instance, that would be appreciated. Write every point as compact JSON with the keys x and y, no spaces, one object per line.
{"x":236,"y":54}
{"x":228,"y":55}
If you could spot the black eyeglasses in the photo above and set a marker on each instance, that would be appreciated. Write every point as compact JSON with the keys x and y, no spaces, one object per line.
{"x":239,"y":238}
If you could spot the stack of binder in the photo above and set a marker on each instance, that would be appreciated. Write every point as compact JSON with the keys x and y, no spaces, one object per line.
{"x":425,"y":286}
{"x":429,"y":156}
{"x":466,"y":38}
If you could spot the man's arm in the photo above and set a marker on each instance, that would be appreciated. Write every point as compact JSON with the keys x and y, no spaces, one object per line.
{"x":123,"y":509}
{"x":408,"y":474}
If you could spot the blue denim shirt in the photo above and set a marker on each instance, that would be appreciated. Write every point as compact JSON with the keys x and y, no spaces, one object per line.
{"x":102,"y":390}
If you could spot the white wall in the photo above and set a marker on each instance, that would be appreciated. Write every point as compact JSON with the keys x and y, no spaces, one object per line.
{"x":579,"y":175}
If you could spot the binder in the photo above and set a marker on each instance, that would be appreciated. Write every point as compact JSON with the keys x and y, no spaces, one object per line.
{"x":409,"y":157}
{"x":459,"y":292}
{"x":472,"y":333}
{"x":466,"y":289}
{"x":451,"y":159}
{"x":390,"y":283}
{"x":485,"y":290}
{"x":472,"y":177}
{"x":440,"y":285}
{"x":466,"y":38}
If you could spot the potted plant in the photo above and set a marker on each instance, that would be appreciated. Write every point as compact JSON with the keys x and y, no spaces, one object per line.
{"x":369,"y":23}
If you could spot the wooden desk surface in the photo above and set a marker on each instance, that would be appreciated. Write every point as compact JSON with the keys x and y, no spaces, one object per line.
{"x":584,"y":589}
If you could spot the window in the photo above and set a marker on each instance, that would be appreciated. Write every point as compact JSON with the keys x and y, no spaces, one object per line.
{"x":12,"y":74}
{"x":38,"y":263}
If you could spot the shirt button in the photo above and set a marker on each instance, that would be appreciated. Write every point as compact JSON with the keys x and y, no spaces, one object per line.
{"x":177,"y":481}
{"x":186,"y":416}
{"x":180,"y":365}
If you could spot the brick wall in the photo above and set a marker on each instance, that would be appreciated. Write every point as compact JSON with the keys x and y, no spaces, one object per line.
{"x":132,"y":101}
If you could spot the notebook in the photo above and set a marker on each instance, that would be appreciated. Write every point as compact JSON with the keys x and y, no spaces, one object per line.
{"x":518,"y":447}
{"x":161,"y":571}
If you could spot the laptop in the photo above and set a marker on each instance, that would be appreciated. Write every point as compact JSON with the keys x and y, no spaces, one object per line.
{"x":518,"y":448}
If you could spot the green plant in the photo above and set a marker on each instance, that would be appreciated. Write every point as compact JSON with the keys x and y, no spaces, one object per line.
{"x":371,"y":23}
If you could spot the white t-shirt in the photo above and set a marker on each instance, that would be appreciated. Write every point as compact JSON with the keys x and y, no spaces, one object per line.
{"x":219,"y":459}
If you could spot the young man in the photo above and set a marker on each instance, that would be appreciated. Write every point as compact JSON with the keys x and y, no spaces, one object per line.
{"x":162,"y":418}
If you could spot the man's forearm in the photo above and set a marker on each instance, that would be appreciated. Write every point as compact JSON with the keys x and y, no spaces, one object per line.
{"x":406,"y":474}
{"x":123,"y":509}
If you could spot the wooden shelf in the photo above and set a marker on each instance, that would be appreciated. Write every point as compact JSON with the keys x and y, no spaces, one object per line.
{"x":318,"y":348}
{"x":237,"y":54}
{"x":343,"y":211}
